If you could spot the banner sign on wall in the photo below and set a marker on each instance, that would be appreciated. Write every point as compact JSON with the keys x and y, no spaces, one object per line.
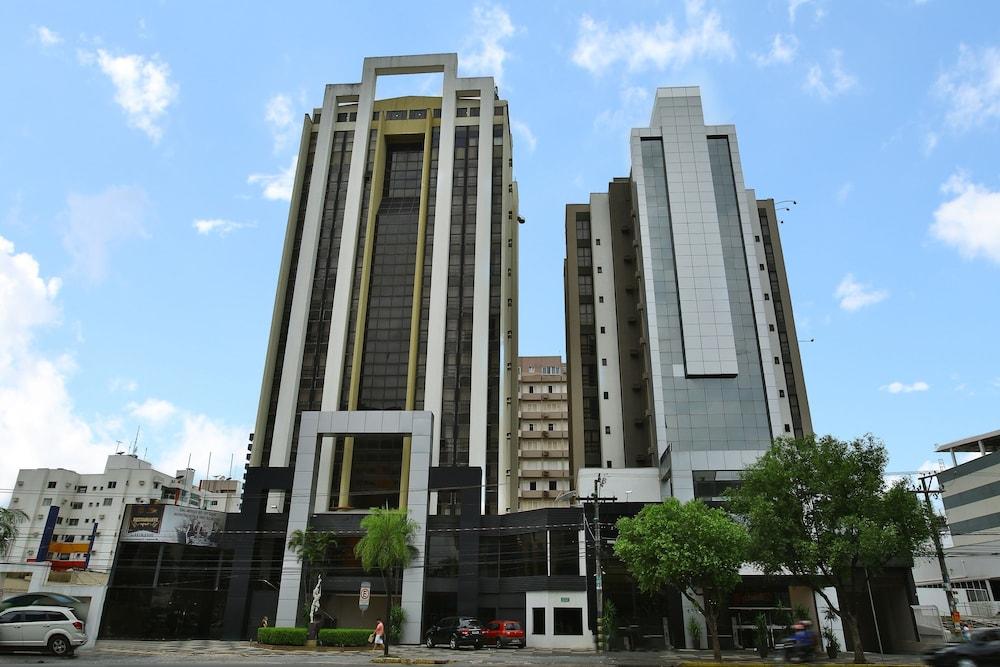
{"x":173,"y":524}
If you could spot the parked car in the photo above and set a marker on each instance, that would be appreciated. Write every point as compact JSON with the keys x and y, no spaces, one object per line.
{"x":42,"y":627}
{"x":455,"y":631}
{"x":41,"y":598}
{"x":504,"y":633}
{"x":982,"y":650}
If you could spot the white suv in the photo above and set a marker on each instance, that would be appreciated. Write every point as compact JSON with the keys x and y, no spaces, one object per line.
{"x":54,"y":628}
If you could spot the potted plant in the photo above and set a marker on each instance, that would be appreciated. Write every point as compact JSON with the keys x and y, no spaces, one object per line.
{"x":762,"y":636}
{"x":832,"y":643}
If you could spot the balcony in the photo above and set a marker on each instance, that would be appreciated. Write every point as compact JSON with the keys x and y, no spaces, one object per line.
{"x":557,"y":453}
{"x":546,"y":474}
{"x":555,"y":435}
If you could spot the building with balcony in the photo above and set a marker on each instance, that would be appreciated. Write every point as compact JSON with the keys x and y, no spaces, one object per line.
{"x":543,"y":465}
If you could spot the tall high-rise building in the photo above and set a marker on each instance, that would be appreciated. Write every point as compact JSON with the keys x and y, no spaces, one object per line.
{"x":393,"y":341}
{"x":543,"y":469}
{"x":681,"y":347}
{"x":683,"y":358}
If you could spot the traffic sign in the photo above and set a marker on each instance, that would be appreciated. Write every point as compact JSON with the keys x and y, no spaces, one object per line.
{"x":364,"y":597}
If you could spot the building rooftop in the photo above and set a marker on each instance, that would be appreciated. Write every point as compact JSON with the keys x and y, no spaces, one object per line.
{"x":980,"y":444}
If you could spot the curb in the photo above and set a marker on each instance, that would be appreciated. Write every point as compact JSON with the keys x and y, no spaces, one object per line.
{"x":409,"y":661}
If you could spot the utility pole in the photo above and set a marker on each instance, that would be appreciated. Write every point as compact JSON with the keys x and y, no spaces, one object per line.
{"x":936,"y":536}
{"x":598,"y":579}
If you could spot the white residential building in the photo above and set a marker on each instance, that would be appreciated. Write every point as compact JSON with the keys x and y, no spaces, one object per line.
{"x":91,"y":505}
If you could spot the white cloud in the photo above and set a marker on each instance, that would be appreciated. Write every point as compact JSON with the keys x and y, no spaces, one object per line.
{"x":47,"y":37}
{"x":783,"y":48}
{"x":660,"y":45}
{"x":142,"y":87}
{"x":281,"y":119}
{"x":833,"y":84}
{"x":795,"y":5}
{"x":122,"y":384}
{"x":485,"y":57}
{"x":844,"y":192}
{"x":970,"y":221}
{"x":854,"y":295}
{"x":521,"y":129}
{"x":199,"y":436}
{"x":37,"y":424}
{"x":153,"y":410}
{"x":903,"y":388}
{"x":218,"y":226}
{"x":971,"y":88}
{"x":97,"y":223}
{"x":930,"y":142}
{"x":276,"y":187}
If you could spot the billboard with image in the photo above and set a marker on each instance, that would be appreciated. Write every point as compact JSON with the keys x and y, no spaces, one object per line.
{"x":173,"y":524}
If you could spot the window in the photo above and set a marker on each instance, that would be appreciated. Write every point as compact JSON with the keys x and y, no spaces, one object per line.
{"x":156,"y":485}
{"x":531,"y":389}
{"x":112,"y":485}
{"x":81,"y":489}
{"x":51,"y":485}
{"x":602,"y":330}
{"x":552,"y":485}
{"x":767,"y":297}
{"x":531,"y":427}
{"x":74,"y":522}
{"x":781,"y":393}
{"x":788,"y":428}
{"x":550,"y":389}
{"x":76,"y":505}
{"x":607,"y":430}
{"x":564,"y":552}
{"x":567,"y":620}
{"x":609,"y":463}
{"x":532,"y":486}
{"x":108,"y":501}
{"x":777,"y":360}
{"x":46,"y":501}
{"x":538,"y":621}
{"x":770,"y":327}
{"x":600,"y":270}
{"x":605,"y":395}
{"x":757,"y":239}
{"x":597,"y":241}
{"x":552,"y":427}
{"x":600,"y":299}
{"x":604,"y":362}
{"x":762,"y":267}
{"x":69,"y":538}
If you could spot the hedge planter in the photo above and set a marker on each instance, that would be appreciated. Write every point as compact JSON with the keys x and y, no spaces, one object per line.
{"x":282,"y":636}
{"x":344,"y":636}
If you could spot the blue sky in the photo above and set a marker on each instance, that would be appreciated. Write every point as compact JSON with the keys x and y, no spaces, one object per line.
{"x":145,"y":150}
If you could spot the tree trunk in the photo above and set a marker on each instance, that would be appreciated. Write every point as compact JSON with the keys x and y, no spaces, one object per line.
{"x":388,"y":616}
{"x":712,"y":621}
{"x":852,"y":627}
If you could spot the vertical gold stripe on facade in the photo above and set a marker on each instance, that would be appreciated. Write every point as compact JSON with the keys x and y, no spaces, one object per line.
{"x":374,"y":199}
{"x":415,"y":309}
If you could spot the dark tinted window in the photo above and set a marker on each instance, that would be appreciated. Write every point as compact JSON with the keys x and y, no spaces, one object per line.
{"x":568,"y":621}
{"x":512,"y":626}
{"x":35,"y":616}
{"x":56,"y":616}
{"x":493,"y":626}
{"x":471,"y":623}
{"x":12,"y":617}
{"x":538,"y":620}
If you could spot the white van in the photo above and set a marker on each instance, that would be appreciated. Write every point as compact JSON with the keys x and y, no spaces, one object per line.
{"x":54,"y":628}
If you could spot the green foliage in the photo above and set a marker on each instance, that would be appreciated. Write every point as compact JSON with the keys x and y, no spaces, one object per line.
{"x":397,"y":617}
{"x":609,"y":621}
{"x":283,"y":636}
{"x":831,"y":639}
{"x":820,"y":509}
{"x":761,"y":632}
{"x":689,"y":546}
{"x":312,"y":546}
{"x":800,"y":612}
{"x":694,"y":629}
{"x":9,"y":521}
{"x":387,"y":542}
{"x":344,"y":636}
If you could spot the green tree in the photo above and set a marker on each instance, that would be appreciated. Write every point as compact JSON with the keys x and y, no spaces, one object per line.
{"x":313,"y":550}
{"x":9,"y":521}
{"x":820,"y":509}
{"x":690,"y":546}
{"x":387,"y":546}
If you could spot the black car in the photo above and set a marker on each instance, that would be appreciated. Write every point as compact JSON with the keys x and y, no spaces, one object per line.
{"x":982,"y":650}
{"x":41,"y":599}
{"x":455,"y":631}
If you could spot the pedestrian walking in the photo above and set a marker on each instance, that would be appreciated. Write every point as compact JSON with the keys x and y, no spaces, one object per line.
{"x":256,"y":635}
{"x":379,"y":634}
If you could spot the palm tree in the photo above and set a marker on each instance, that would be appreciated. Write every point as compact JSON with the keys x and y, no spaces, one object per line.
{"x":9,"y":520}
{"x":312,"y":548}
{"x":387,"y":546}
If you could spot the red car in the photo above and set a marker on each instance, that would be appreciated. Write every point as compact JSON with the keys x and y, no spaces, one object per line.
{"x":503,"y":633}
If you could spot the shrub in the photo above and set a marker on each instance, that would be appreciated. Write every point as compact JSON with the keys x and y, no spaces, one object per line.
{"x":282,"y":636}
{"x":397,"y":617}
{"x":344,"y":636}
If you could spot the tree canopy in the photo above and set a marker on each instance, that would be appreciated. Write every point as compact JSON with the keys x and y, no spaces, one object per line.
{"x":690,"y":546}
{"x":10,"y":519}
{"x":821,"y":510}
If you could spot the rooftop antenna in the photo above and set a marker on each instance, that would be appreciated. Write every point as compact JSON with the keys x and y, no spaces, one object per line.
{"x":135,"y":443}
{"x":189,"y":460}
{"x":230,"y":475}
{"x":119,"y":451}
{"x":208,"y":470}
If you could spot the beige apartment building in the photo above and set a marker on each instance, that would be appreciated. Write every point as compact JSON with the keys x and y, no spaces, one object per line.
{"x":544,"y":470}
